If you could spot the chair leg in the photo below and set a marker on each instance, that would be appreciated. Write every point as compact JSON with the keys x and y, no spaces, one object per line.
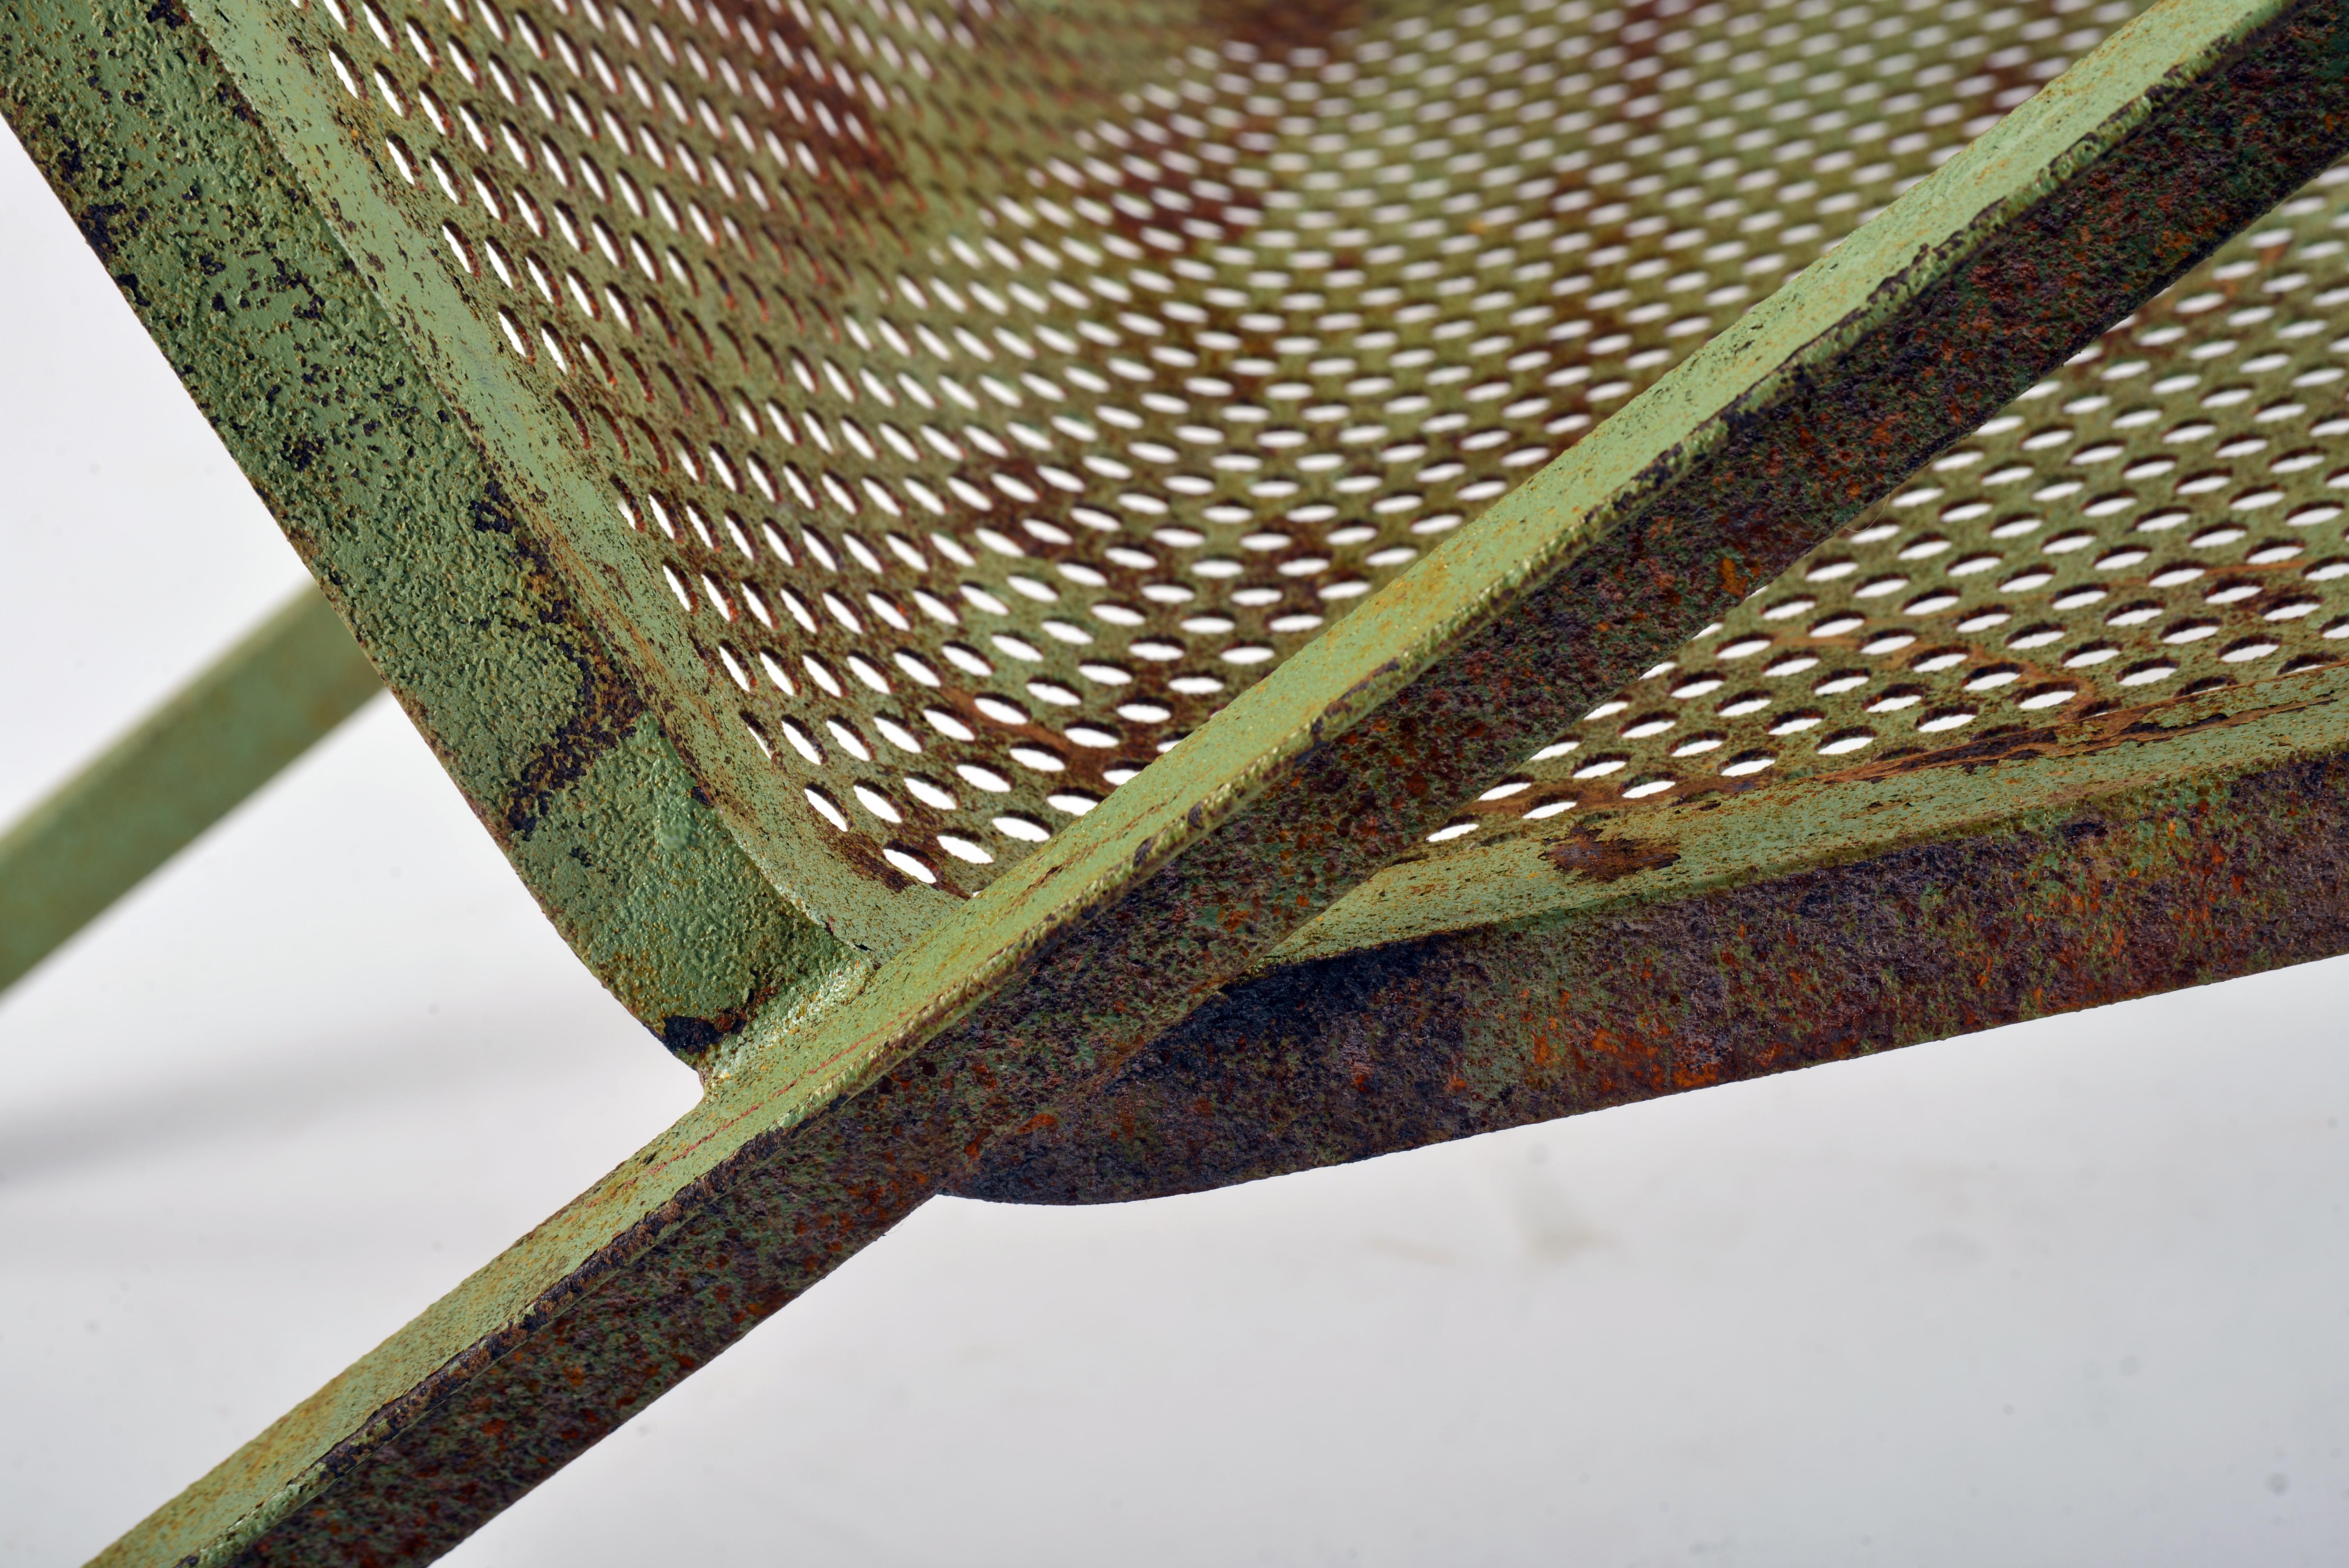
{"x":216,"y":741}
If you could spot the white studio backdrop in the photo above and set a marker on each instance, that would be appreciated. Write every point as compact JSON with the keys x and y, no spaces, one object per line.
{"x":2074,"y":1292}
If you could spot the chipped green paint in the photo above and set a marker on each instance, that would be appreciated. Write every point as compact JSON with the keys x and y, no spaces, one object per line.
{"x":384,"y":485}
{"x":223,"y":736}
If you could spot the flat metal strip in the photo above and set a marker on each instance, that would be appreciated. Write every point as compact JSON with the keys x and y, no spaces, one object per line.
{"x":2183,"y":127}
{"x":1868,"y":810}
{"x":228,"y":732}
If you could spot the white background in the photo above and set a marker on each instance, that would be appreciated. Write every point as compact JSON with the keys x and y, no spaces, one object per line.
{"x":2071,"y":1293}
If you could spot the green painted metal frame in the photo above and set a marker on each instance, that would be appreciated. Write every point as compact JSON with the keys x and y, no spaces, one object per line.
{"x":231,"y":730}
{"x":1015,"y":1047}
{"x":415,"y":536}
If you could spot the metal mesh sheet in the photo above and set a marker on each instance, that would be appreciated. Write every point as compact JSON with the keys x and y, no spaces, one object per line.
{"x":2158,"y":519}
{"x":998,"y":394}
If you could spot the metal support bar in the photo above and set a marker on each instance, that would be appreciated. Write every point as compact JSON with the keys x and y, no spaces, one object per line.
{"x":225,"y":734}
{"x":2136,"y":853}
{"x":834,"y":1124}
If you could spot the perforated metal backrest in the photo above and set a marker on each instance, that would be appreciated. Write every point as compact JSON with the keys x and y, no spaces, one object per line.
{"x":2158,"y":519}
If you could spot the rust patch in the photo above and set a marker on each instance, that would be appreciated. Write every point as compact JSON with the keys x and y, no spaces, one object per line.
{"x":609,"y":707}
{"x":1278,"y":27}
{"x":2103,"y":732}
{"x":1454,"y":1036}
{"x":1607,"y":860}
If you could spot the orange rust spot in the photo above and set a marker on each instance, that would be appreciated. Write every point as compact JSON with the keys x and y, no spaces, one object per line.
{"x":1606,"y":860}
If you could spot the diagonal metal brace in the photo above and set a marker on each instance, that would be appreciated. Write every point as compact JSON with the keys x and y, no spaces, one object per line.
{"x":227,"y":733}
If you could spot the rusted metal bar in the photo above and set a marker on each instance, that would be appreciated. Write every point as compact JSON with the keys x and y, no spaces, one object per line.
{"x":227,"y":733}
{"x":2134,"y":854}
{"x":834,"y":1124}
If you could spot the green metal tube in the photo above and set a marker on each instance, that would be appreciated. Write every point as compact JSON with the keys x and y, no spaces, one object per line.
{"x":221,"y":737}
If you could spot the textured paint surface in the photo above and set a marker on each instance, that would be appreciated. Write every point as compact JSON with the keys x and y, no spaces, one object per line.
{"x":1591,"y":864}
{"x":417,"y":544}
{"x":1979,"y":892}
{"x":226,"y":734}
{"x":1005,"y":1016}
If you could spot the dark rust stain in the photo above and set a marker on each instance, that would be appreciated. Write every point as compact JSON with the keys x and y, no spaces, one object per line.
{"x":609,"y":708}
{"x":688,"y":1038}
{"x":1606,"y":860}
{"x":2103,"y":732}
{"x":1277,"y":26}
{"x":863,"y":857}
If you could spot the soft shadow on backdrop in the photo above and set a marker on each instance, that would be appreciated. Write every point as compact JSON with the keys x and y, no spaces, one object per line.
{"x":2068,"y":1293}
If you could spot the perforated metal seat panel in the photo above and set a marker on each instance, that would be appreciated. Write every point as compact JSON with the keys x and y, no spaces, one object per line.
{"x":2158,"y":519}
{"x":979,"y":430}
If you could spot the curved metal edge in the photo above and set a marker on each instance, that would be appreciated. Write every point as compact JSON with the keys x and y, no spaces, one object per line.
{"x":233,"y":270}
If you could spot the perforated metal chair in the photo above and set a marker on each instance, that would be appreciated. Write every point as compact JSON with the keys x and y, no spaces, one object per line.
{"x":1096,"y":600}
